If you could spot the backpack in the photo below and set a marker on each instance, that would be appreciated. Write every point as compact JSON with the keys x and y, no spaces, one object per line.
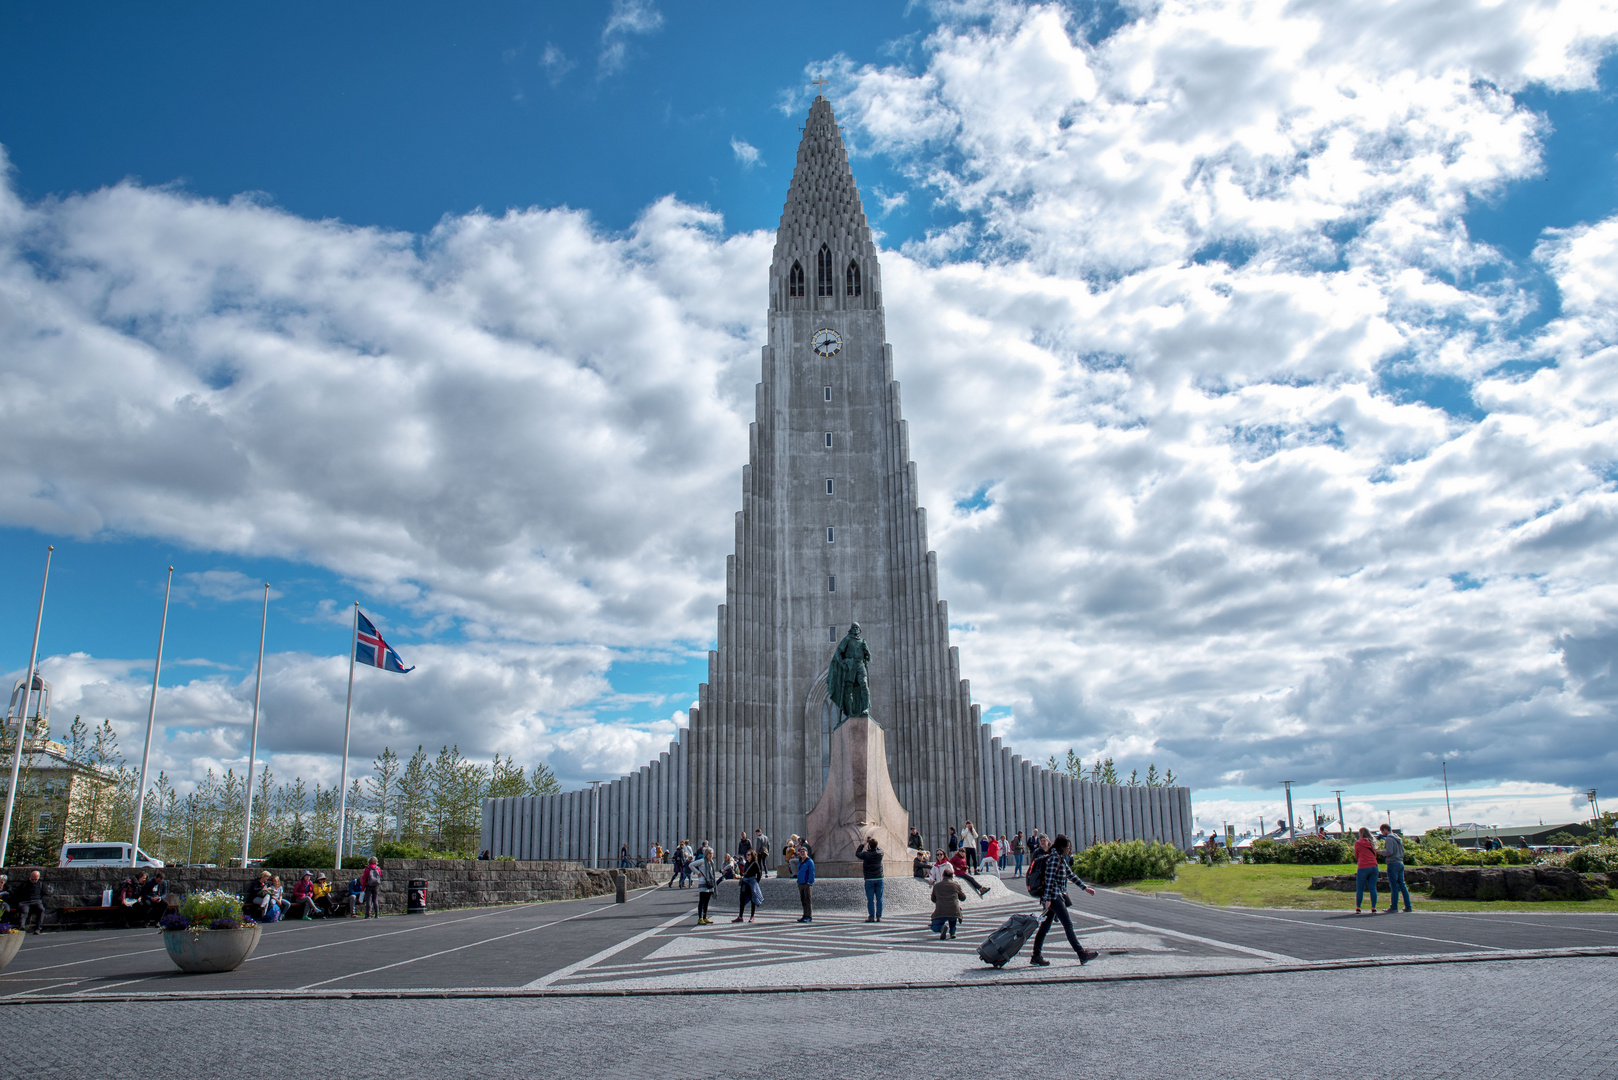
{"x":1035,"y":879}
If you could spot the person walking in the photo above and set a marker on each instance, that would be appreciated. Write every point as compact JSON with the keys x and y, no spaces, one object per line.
{"x":947,"y":897}
{"x":1017,"y":853}
{"x":743,"y":847}
{"x":1365,"y":875}
{"x":750,"y":887}
{"x":761,"y":844}
{"x":371,"y":882}
{"x":1058,"y":869}
{"x":969,"y":842}
{"x":30,"y":897}
{"x":1393,"y":849}
{"x":871,"y":856}
{"x":806,"y":886}
{"x":707,"y":875}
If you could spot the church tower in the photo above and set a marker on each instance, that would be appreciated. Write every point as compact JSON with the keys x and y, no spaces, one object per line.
{"x":829,"y":533}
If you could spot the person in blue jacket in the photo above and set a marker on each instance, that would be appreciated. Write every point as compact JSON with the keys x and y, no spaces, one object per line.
{"x":806,"y":883}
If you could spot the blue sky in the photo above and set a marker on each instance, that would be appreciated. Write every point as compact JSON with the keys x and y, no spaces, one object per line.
{"x":1007,"y":158}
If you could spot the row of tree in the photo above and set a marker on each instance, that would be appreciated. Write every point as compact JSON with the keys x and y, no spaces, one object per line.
{"x":1105,"y":772}
{"x":433,"y":803}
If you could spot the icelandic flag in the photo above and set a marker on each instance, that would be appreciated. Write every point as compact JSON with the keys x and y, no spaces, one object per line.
{"x":372,"y":651}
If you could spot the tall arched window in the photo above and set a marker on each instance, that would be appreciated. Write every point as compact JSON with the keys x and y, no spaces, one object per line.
{"x":795,"y":280}
{"x":823,"y":278}
{"x":853,"y":278}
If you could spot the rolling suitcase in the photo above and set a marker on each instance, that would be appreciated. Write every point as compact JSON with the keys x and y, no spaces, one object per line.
{"x":1007,"y":941}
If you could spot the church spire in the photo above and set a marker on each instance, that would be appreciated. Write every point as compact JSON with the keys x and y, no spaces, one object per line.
{"x":824,"y":257}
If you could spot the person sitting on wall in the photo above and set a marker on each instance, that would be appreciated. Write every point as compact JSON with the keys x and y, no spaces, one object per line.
{"x":915,"y":841}
{"x":958,"y":863}
{"x":256,"y":897}
{"x":302,"y":902}
{"x":356,"y":896}
{"x":154,"y":897}
{"x":126,"y":900}
{"x":321,"y":899}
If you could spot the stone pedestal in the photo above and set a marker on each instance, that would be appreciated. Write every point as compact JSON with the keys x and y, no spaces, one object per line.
{"x":858,"y":802}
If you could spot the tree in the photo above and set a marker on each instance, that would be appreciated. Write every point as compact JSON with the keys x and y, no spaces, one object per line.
{"x":541,"y":781}
{"x":264,"y":838}
{"x":505,"y":779}
{"x":382,"y":789}
{"x":415,"y":799}
{"x":1152,"y":779}
{"x":457,"y":793}
{"x":1133,"y":778}
{"x":1109,"y":774}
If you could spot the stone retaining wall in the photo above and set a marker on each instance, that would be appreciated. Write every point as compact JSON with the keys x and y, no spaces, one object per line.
{"x":1488,"y":882}
{"x":452,"y":883}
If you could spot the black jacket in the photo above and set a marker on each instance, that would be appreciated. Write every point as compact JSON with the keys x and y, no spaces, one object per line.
{"x":871,"y":859}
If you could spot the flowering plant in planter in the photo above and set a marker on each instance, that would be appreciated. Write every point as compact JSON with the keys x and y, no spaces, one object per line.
{"x":7,"y":928}
{"x":212,"y":910}
{"x":210,"y":933}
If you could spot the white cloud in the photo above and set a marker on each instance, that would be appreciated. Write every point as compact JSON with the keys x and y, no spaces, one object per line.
{"x":745,"y":152}
{"x":1165,"y":341}
{"x":628,"y":18}
{"x":555,"y":63}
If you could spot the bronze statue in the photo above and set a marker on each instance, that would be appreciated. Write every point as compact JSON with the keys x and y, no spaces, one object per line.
{"x":848,"y":681}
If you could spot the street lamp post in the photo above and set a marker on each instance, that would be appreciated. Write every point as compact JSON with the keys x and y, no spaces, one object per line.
{"x":1342,"y":826}
{"x":1292,"y":830}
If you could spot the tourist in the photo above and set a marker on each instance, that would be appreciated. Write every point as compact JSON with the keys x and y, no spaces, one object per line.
{"x":991,"y":851}
{"x":921,"y":866}
{"x":957,"y":863}
{"x":278,"y":898}
{"x":806,"y":885}
{"x":1393,"y":849}
{"x":371,"y":882}
{"x":1005,"y":850}
{"x":483,"y":856}
{"x":871,"y":857}
{"x":743,"y":847}
{"x":952,"y":843}
{"x":321,"y":899}
{"x":30,"y":899}
{"x":969,"y":844}
{"x":126,"y":899}
{"x":1365,"y":875}
{"x":751,"y":890}
{"x":686,"y":856}
{"x":303,"y":898}
{"x":761,"y":844}
{"x":356,"y":896}
{"x":947,"y":897}
{"x":707,"y":880}
{"x":790,"y":854}
{"x":5,"y":898}
{"x":256,"y":897}
{"x":1017,"y":853}
{"x":155,"y":898}
{"x":623,"y":856}
{"x":914,"y":842}
{"x":1058,"y":869}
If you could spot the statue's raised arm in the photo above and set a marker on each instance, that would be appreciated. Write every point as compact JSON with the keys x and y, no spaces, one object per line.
{"x":848,"y":681}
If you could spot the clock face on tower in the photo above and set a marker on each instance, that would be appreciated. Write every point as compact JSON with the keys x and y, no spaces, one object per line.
{"x":826,"y":342}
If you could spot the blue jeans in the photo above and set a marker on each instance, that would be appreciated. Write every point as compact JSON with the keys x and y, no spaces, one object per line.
{"x":939,"y":924}
{"x":873,"y":897}
{"x":1396,"y":885}
{"x":1365,"y":878}
{"x":1018,"y":871}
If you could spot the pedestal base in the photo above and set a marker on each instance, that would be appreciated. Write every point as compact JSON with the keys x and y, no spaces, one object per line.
{"x":858,"y":803}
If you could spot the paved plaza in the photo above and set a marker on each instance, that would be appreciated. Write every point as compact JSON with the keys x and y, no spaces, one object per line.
{"x":651,"y":945}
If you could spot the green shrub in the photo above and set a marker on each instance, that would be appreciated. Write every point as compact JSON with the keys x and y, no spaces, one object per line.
{"x":1562,"y":839}
{"x":1318,"y":851}
{"x":291,"y":857}
{"x":398,"y":849}
{"x":355,"y":862}
{"x":1267,"y":851}
{"x":1127,"y":860}
{"x":1600,"y":858}
{"x":205,"y":908}
{"x":1217,"y":856}
{"x":1438,"y":851}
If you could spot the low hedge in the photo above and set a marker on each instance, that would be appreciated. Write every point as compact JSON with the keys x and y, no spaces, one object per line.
{"x":1127,"y":860}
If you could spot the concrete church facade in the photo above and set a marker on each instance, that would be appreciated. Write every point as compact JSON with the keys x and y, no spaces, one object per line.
{"x":830,"y":532}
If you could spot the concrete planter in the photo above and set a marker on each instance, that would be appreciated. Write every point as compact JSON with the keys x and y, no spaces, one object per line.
{"x":9,"y":944}
{"x":211,"y":950}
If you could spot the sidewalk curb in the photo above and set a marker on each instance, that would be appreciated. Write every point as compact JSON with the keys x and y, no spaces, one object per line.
{"x":484,"y":993}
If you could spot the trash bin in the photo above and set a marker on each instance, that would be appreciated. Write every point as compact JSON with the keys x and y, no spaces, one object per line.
{"x":416,"y":897}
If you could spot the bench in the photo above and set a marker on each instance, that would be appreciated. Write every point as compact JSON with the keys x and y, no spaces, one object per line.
{"x":91,"y":913}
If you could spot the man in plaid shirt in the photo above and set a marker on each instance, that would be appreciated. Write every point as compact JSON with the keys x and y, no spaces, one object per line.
{"x":1058,"y":872}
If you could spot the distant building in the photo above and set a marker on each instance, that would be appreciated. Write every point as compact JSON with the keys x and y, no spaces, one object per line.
{"x":1517,"y":835}
{"x":56,"y":790}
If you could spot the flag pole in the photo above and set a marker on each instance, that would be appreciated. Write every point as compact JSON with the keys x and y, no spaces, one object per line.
{"x":22,"y":721}
{"x":252,"y":753}
{"x":151,"y":718}
{"x":348,"y":717}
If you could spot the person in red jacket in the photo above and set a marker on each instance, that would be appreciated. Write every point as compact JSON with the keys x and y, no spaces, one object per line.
{"x":1365,"y":876}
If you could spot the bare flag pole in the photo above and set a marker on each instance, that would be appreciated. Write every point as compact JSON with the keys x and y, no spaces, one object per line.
{"x":151,"y":720}
{"x":348,"y":717}
{"x":252,"y":753}
{"x":22,"y":721}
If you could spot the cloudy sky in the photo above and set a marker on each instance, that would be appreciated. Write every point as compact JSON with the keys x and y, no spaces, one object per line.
{"x":1258,"y":359}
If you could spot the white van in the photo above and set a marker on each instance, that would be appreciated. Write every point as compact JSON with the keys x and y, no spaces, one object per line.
{"x":102,"y":855}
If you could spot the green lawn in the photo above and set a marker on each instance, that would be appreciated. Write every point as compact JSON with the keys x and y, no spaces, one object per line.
{"x":1283,"y":886}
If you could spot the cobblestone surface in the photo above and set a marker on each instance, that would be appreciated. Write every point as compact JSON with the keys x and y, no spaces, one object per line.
{"x":1542,"y":1018}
